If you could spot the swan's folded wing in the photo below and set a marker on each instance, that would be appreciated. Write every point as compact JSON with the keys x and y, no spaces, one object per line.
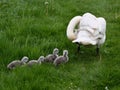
{"x":89,"y":23}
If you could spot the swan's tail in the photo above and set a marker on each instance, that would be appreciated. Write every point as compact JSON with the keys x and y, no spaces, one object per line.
{"x":71,"y":26}
{"x":102,"y":29}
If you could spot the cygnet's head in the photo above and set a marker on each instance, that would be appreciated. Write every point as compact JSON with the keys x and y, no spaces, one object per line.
{"x":41,"y":59}
{"x":55,"y":51}
{"x":24,"y":59}
{"x":65,"y":52}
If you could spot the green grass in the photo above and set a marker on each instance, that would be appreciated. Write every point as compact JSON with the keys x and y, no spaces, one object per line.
{"x":26,"y":28}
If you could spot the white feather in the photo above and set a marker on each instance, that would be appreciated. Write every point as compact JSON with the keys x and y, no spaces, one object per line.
{"x":91,"y":30}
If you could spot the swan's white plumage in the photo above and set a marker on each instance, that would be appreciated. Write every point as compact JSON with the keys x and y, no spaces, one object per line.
{"x":71,"y":27}
{"x":91,"y":30}
{"x":84,"y":38}
{"x":102,"y":29}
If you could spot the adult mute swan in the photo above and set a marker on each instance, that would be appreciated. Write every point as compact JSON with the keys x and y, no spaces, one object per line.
{"x":91,"y":30}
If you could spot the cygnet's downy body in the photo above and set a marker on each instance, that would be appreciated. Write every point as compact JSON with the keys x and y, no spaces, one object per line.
{"x":62,"y":59}
{"x":52,"y":57}
{"x":34,"y":62}
{"x":17,"y":63}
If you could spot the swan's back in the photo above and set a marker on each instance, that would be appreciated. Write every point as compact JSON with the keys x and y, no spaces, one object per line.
{"x":91,"y":30}
{"x":89,"y":20}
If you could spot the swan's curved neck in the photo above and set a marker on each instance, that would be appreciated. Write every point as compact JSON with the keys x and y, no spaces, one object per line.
{"x":71,"y":26}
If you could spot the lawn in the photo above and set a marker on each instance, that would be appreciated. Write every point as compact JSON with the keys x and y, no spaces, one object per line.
{"x":33,"y":28}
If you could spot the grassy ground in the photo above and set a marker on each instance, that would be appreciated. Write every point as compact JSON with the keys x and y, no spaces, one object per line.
{"x":31,"y":28}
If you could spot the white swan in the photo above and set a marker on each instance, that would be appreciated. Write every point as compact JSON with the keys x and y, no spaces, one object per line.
{"x":91,"y":30}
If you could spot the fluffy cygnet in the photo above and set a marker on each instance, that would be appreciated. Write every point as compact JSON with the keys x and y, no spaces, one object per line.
{"x":32,"y":62}
{"x":52,"y":57}
{"x":62,"y":59}
{"x":16,"y":63}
